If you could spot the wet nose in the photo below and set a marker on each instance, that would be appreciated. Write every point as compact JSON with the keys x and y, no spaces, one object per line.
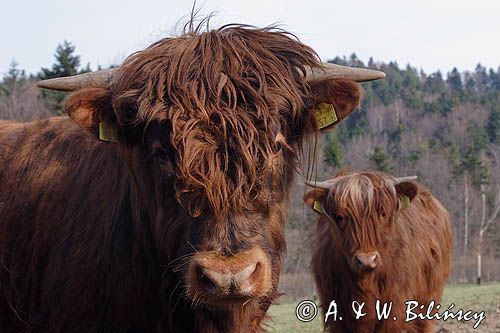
{"x":228,"y":282}
{"x":366,"y":260}
{"x":246,"y":274}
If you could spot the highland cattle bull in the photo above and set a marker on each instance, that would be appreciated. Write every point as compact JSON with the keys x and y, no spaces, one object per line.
{"x":378,"y":238}
{"x":157,"y":205}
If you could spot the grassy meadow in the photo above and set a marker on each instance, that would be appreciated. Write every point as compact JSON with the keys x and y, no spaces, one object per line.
{"x":467,"y":297}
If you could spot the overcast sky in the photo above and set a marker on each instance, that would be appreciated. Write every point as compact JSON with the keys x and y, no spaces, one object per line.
{"x":429,"y":34}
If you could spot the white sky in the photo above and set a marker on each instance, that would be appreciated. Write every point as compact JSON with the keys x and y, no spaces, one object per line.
{"x":429,"y":34}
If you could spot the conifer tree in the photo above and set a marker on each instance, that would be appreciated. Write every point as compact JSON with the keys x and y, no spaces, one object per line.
{"x":333,"y":151}
{"x":380,"y":160}
{"x":12,"y":87}
{"x":493,"y":126}
{"x":66,"y":64}
{"x":454,"y":81}
{"x":14,"y":80}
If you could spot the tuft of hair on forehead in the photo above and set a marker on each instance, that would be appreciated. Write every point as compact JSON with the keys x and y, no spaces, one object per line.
{"x":361,"y":195}
{"x":223,"y":92}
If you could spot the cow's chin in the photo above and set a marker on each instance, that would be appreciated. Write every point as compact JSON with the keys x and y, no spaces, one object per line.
{"x":203,"y":297}
{"x":222,"y":303}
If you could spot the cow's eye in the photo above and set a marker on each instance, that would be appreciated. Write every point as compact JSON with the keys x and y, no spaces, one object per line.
{"x":159,"y":153}
{"x":280,"y":144}
{"x":155,"y":152}
{"x":340,"y":220}
{"x":278,"y":147}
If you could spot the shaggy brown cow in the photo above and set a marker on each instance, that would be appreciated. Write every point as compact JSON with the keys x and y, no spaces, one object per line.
{"x":176,"y":225}
{"x":378,"y":238}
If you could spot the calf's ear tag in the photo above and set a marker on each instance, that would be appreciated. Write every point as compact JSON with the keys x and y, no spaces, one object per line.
{"x":325,"y":114}
{"x":405,"y":201}
{"x":317,"y":207}
{"x":107,"y":133}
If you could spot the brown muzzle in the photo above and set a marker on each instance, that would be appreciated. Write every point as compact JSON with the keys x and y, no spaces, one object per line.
{"x":365,"y":261}
{"x":213,"y":277}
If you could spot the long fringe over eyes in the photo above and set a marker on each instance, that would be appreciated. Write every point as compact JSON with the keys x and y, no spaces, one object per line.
{"x":225,"y":92}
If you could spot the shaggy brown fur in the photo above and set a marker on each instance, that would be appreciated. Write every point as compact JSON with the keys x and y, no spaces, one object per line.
{"x":363,"y":213}
{"x":98,"y":236}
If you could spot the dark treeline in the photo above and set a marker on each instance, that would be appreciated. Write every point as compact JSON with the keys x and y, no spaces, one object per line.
{"x":444,"y":128}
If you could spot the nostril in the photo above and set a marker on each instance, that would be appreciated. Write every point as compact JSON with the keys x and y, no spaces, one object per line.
{"x":359,"y":262}
{"x":249,"y":279}
{"x":371,"y":261}
{"x":216,"y":279}
{"x":257,"y":271}
{"x":246,"y":273}
{"x":206,"y":282}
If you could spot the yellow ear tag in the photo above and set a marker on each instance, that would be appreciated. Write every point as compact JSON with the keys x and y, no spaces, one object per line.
{"x":405,"y":201}
{"x":317,"y":207}
{"x":107,"y":134}
{"x":325,"y":114}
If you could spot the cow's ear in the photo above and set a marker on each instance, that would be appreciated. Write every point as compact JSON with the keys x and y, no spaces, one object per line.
{"x":89,"y":108}
{"x":314,"y":198}
{"x":406,"y":192}
{"x":333,"y":100}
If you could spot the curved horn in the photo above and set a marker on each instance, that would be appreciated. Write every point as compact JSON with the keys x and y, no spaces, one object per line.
{"x":100,"y":78}
{"x":404,"y":179}
{"x":334,"y":71}
{"x":326,"y":185}
{"x":104,"y":77}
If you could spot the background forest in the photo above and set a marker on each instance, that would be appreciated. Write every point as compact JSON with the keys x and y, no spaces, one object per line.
{"x":442,"y":127}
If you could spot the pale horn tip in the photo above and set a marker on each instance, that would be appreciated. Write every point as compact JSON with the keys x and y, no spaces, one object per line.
{"x":55,"y":84}
{"x":405,"y":179}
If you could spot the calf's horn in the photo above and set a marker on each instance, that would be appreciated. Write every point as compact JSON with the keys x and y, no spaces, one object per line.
{"x":404,"y":179}
{"x":326,"y":185}
{"x":334,"y":71}
{"x":102,"y":78}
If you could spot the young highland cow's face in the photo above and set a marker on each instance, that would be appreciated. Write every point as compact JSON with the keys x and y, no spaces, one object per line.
{"x":361,"y":207}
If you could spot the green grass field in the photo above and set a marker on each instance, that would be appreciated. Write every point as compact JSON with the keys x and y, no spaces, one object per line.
{"x":468,"y":297}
